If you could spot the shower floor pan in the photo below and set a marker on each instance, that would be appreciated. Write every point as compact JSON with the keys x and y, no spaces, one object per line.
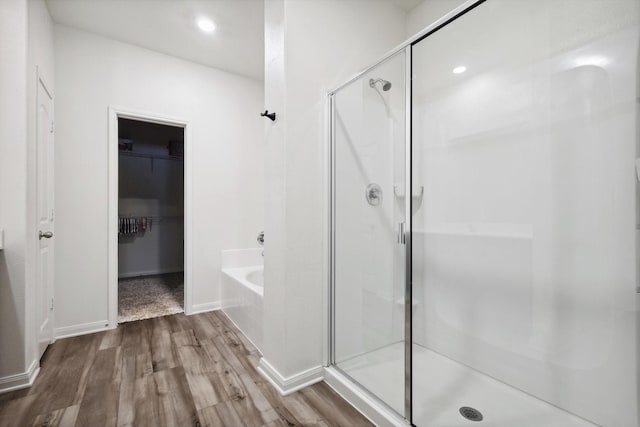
{"x":441,"y":387}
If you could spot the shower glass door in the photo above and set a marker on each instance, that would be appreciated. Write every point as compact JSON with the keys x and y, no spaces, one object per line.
{"x":368,"y":220}
{"x":524,"y":138}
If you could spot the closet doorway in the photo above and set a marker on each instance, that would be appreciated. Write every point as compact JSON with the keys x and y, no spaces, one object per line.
{"x":148,"y":254}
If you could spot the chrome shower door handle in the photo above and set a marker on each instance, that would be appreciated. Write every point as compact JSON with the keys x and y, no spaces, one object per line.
{"x":46,"y":235}
{"x":401,"y":233}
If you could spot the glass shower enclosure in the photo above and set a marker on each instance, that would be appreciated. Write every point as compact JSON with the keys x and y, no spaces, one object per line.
{"x":484,"y":217}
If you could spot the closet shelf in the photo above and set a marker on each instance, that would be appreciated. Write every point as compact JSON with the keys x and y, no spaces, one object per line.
{"x":150,"y":156}
{"x":153,"y":217}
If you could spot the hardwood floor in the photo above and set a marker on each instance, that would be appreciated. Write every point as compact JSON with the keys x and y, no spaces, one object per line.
{"x":169,"y":371}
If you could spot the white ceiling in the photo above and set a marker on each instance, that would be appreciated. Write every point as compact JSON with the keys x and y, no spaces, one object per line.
{"x":168,"y":26}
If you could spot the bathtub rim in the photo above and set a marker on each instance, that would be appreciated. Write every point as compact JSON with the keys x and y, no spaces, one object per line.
{"x":239,"y":274}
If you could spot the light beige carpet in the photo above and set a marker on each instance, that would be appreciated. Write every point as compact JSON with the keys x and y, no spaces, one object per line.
{"x":145,"y":297}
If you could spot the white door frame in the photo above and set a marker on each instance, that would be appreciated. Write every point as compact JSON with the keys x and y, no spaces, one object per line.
{"x":116,"y":113}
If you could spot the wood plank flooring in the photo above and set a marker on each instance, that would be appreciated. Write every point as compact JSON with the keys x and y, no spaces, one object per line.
{"x":169,"y":371}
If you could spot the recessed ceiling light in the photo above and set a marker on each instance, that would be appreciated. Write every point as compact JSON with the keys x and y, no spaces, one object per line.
{"x":206,"y":25}
{"x":460,"y":69}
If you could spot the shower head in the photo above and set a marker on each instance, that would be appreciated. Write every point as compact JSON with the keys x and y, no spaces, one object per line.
{"x":386,"y":85}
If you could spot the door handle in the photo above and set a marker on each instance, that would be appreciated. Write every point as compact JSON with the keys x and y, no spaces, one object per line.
{"x":401,"y":233}
{"x":46,"y":235}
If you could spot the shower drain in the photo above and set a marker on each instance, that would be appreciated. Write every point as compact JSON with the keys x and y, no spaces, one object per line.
{"x":470,"y":413}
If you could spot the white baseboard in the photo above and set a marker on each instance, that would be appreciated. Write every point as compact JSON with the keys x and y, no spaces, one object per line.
{"x":293,"y":383}
{"x":149,"y":273}
{"x":203,"y":308}
{"x":82,"y":329}
{"x":376,"y":411}
{"x":20,"y":381}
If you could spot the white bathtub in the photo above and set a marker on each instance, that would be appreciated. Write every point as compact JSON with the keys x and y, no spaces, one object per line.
{"x":242,"y":291}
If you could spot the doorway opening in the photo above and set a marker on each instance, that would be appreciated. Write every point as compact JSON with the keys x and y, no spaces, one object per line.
{"x":151,"y":222}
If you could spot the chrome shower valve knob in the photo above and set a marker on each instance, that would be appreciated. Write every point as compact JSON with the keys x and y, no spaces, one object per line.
{"x":373,"y":194}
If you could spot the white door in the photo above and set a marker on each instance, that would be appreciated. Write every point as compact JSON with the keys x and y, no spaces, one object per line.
{"x":44,"y":278}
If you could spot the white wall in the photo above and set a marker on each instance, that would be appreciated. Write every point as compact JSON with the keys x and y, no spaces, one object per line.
{"x":93,"y":73}
{"x":310,"y":47}
{"x":13,"y":184}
